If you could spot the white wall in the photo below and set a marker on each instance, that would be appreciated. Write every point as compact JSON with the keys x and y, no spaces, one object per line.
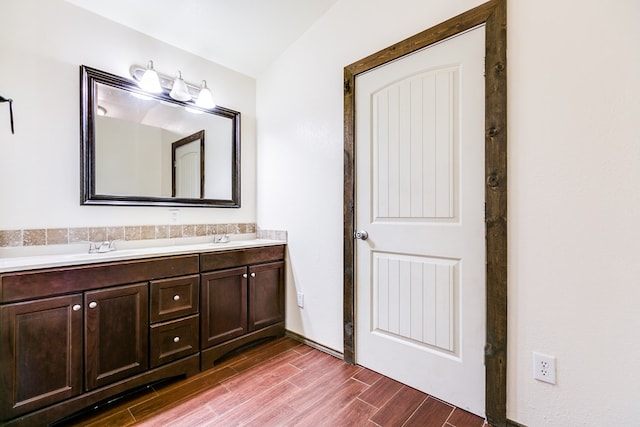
{"x":131,"y":159}
{"x":42,"y":45}
{"x":574,"y":189}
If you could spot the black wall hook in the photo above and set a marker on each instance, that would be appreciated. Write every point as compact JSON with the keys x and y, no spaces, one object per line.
{"x":10,"y":101}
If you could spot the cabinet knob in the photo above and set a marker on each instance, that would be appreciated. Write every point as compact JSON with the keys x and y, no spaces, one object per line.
{"x":76,"y":307}
{"x":176,"y":297}
{"x":244,"y":275}
{"x":253,"y":274}
{"x":93,"y":304}
{"x":176,"y":339}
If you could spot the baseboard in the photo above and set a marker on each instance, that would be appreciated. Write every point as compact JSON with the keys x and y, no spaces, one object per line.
{"x":314,"y":344}
{"x":514,"y":424}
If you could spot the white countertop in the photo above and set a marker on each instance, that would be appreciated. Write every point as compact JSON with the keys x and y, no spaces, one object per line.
{"x":18,"y":263}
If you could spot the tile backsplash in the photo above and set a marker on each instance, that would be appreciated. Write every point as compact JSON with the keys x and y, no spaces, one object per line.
{"x":61,"y":236}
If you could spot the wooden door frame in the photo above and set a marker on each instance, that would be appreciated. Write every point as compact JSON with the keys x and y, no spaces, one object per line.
{"x":493,"y":15}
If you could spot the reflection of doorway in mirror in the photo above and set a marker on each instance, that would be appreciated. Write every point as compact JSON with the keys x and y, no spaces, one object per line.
{"x":187,"y":158}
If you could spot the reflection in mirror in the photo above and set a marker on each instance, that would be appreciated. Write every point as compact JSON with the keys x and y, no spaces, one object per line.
{"x":141,"y":149}
{"x":187,"y":158}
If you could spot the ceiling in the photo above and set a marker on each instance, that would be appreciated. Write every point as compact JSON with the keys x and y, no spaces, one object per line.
{"x":244,"y":35}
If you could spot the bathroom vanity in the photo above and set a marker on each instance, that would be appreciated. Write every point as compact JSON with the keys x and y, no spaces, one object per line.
{"x":77,"y":334}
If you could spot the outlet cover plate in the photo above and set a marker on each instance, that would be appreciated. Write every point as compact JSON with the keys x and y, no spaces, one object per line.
{"x":544,"y":368}
{"x":300,"y":300}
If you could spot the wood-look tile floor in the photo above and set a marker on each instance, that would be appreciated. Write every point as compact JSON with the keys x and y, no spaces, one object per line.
{"x":280,"y":383}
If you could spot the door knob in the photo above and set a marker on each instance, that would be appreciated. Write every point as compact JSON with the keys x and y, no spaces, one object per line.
{"x":361,"y":234}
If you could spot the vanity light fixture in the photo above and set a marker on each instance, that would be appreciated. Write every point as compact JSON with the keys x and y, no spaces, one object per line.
{"x":178,"y":89}
{"x":150,"y":81}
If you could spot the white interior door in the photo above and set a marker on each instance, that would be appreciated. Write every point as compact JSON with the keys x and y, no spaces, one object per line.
{"x":420,"y":275}
{"x":187,"y":170}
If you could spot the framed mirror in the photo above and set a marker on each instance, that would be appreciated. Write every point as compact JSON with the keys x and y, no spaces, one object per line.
{"x":146,"y":149}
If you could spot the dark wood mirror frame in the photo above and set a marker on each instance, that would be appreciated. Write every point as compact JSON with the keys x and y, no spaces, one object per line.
{"x":89,"y":78}
{"x":492,"y":14}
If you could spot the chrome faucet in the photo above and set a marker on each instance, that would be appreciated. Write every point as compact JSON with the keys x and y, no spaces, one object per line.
{"x":102,"y":247}
{"x":223,"y":238}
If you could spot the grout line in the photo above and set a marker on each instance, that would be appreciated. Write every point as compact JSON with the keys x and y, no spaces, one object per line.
{"x":453,"y":409}
{"x":416,"y":410}
{"x":366,"y":403}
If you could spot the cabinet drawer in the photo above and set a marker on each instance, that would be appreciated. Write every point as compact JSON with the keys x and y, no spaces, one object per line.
{"x":173,"y":298}
{"x":173,"y":340}
{"x":235,"y":258}
{"x":23,"y":285}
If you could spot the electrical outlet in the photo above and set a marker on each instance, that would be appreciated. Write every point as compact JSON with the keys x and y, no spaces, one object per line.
{"x":300,"y":300}
{"x":544,"y":368}
{"x":174,"y":216}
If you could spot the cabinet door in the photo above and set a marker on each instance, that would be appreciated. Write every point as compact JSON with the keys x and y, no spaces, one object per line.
{"x":223,"y":305}
{"x":266,"y":294}
{"x":116,"y":334}
{"x":40,"y":353}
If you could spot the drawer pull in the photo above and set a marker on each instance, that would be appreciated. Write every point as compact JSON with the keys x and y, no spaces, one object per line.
{"x":176,"y":297}
{"x":176,"y":339}
{"x":76,"y":307}
{"x":253,"y":274}
{"x":244,"y":275}
{"x":93,"y":304}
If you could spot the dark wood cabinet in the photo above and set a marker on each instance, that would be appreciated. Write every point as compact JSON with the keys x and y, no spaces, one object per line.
{"x":40,"y":353}
{"x":75,"y":336}
{"x":116,"y":334}
{"x":241,"y":301}
{"x":89,"y":339}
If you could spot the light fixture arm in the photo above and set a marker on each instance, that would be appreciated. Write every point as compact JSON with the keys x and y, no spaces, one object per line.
{"x":137,"y":71}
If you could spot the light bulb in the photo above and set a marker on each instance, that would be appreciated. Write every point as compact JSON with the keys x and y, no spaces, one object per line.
{"x":205,"y":99}
{"x":179,"y":91}
{"x":150,"y":82}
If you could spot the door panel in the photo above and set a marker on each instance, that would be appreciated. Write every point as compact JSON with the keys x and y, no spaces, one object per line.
{"x":116,"y":334}
{"x":266,"y":294}
{"x":414,"y":139}
{"x":414,"y":299}
{"x":41,"y":342}
{"x":187,"y":170}
{"x":224,"y":302}
{"x":420,"y":276}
